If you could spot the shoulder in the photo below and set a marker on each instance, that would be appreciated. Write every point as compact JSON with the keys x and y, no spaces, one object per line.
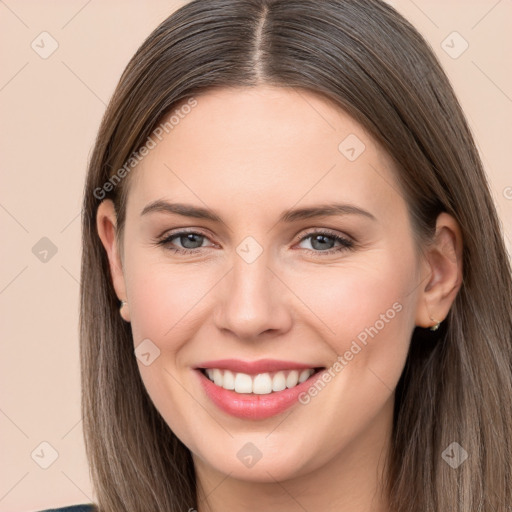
{"x":86,"y":507}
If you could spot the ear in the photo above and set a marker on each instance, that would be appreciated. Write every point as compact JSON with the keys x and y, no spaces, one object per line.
{"x":106,"y":222}
{"x":441,"y":271}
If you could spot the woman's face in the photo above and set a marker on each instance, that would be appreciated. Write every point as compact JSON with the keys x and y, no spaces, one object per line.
{"x":266,"y":278}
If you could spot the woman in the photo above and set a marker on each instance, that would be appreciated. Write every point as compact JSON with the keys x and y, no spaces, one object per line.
{"x":295,"y":291}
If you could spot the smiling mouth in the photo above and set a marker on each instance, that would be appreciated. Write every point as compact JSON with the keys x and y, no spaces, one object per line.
{"x":261,"y":383}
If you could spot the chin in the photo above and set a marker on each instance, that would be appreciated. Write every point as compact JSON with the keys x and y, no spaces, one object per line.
{"x":260,"y":460}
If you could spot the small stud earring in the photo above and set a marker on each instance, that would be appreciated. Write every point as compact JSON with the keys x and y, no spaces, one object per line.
{"x":123,"y":303}
{"x":435,"y":326}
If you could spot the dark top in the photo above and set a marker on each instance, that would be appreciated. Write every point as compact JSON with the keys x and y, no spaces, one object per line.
{"x":86,"y":507}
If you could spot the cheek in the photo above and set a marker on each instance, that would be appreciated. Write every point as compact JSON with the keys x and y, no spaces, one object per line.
{"x":165,"y":301}
{"x":365,"y":315}
{"x":364,"y":311}
{"x":167,"y":304}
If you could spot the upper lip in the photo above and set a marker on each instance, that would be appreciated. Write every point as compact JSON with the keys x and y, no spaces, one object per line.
{"x":254,"y":367}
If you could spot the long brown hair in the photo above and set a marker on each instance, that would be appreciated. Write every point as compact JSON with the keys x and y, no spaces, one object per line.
{"x":371,"y":62}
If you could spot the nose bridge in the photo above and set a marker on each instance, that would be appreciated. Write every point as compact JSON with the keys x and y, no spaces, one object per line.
{"x":252,"y":301}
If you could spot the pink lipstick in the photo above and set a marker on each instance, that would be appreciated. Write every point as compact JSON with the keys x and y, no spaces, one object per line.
{"x":256,"y":390}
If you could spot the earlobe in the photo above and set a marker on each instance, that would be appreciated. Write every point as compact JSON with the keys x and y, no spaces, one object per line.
{"x":106,"y":222}
{"x":442,"y":272}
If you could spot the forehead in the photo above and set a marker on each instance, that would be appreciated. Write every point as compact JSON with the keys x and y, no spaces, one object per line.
{"x":264,"y":145}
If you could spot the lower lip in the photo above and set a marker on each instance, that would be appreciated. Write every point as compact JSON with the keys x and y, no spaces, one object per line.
{"x":252,"y":406}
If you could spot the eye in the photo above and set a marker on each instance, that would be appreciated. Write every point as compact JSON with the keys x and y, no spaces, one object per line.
{"x":323,"y":242}
{"x":191,"y":241}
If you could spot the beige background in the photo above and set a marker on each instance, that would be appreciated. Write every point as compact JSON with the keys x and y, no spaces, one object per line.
{"x":50,"y":110}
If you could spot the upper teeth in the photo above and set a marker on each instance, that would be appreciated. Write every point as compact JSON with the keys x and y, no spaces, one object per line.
{"x":261,"y":384}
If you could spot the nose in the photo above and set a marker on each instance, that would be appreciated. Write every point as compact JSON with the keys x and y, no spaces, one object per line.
{"x":253,"y":301}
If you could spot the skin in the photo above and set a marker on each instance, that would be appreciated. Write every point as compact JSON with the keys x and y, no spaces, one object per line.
{"x":250,"y":154}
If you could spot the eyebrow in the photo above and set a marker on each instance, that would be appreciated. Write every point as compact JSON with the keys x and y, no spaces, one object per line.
{"x":290,"y":215}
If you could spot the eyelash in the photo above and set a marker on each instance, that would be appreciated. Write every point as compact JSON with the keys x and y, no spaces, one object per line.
{"x":346,"y":244}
